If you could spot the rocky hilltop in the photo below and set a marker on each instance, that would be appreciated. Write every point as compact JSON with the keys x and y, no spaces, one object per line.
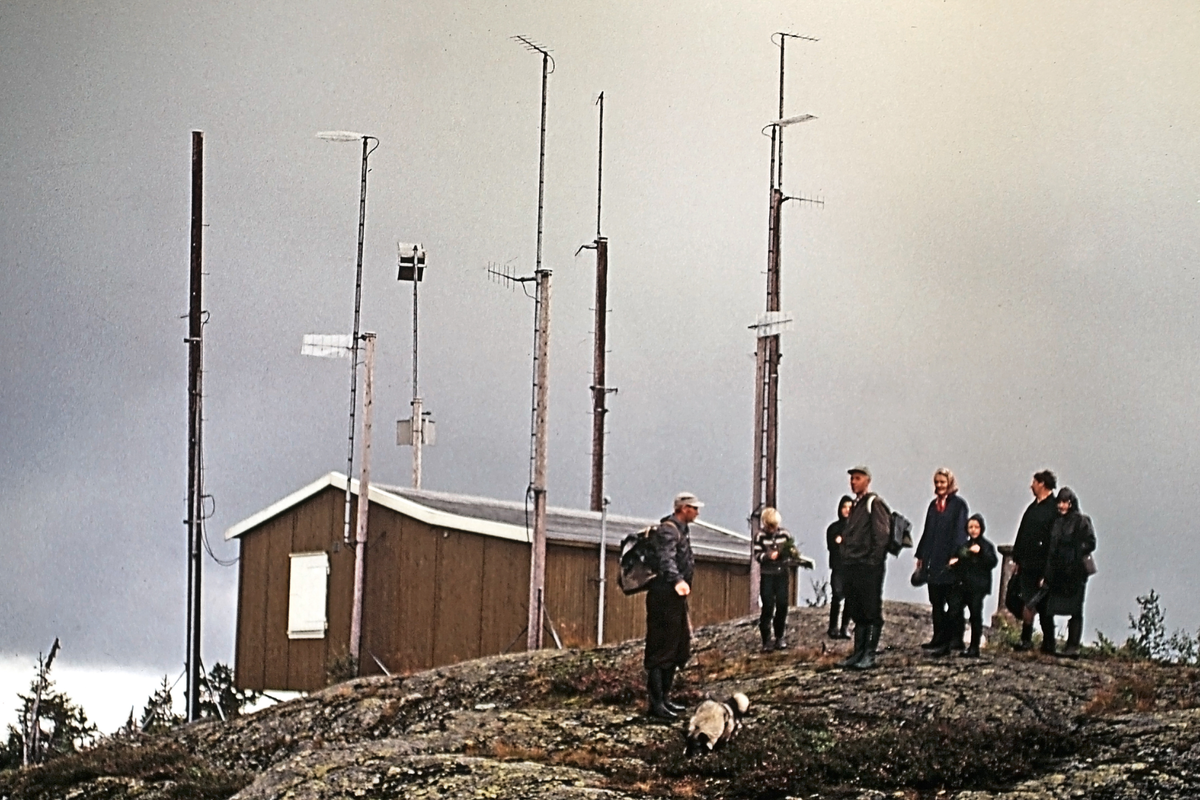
{"x":568,"y":724}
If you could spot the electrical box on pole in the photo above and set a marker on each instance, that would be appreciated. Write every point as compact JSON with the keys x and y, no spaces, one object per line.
{"x":411,"y":267}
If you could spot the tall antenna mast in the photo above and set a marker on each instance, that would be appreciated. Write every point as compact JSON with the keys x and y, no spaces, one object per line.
{"x":768,"y":329}
{"x":599,"y":389}
{"x":195,"y":343}
{"x":541,"y":389}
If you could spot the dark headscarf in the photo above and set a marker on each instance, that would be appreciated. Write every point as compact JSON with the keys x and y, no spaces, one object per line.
{"x":978,"y":518}
{"x":1065,"y":493}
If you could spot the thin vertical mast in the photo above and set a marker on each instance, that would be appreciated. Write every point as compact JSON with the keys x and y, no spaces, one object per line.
{"x":195,"y":354}
{"x":599,"y":378}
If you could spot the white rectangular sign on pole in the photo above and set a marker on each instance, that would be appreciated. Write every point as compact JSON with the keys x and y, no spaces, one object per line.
{"x":327,"y":345}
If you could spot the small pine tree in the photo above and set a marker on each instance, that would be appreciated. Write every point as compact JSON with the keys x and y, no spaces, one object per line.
{"x":219,"y":698}
{"x":62,"y":727}
{"x":159,"y":714}
{"x":1149,"y":639}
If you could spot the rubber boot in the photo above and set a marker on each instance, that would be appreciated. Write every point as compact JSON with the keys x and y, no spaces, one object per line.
{"x":668,"y":679}
{"x":1048,"y":635}
{"x":654,"y":685}
{"x":860,"y":647}
{"x":834,"y":607}
{"x":1026,"y":642}
{"x":1074,"y":634}
{"x":976,"y":637}
{"x":868,"y":659}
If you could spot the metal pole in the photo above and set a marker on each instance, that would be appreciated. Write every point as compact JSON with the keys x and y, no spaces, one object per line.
{"x":362,"y":221}
{"x":364,"y":504}
{"x":603,"y":567}
{"x":195,"y":343}
{"x":418,"y":421}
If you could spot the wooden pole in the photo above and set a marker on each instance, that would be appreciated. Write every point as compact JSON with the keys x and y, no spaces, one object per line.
{"x":364,"y":504}
{"x":537,"y":558}
{"x":195,"y":342}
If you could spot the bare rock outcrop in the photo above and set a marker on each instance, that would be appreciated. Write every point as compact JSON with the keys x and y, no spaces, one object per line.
{"x":568,"y":724}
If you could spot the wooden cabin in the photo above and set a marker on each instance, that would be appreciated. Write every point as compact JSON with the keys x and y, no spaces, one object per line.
{"x":446,"y":580}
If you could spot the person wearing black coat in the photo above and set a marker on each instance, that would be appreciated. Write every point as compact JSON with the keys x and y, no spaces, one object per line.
{"x":837,"y":590}
{"x":972,"y":570}
{"x":1029,"y":550}
{"x":1072,"y":540}
{"x":668,"y":627}
{"x":945,"y":532}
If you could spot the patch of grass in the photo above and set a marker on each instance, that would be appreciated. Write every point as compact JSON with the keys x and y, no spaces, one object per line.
{"x":803,"y":753}
{"x":1128,"y":693}
{"x":178,"y":773}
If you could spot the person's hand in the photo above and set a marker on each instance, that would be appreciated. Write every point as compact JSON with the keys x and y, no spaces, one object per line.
{"x":682,"y":589}
{"x":838,"y":540}
{"x":774,"y":554}
{"x":1016,"y":568}
{"x":954,"y":561}
{"x":920,"y":564}
{"x":974,"y":548}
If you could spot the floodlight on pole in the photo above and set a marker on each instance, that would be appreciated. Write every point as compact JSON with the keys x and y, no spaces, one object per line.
{"x":351,"y":136}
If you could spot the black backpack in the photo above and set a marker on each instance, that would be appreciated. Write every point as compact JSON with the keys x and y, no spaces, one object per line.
{"x":901,"y":531}
{"x":638,"y":565}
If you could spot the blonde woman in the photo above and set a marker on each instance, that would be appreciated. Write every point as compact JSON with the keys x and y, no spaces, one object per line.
{"x":772,"y":546}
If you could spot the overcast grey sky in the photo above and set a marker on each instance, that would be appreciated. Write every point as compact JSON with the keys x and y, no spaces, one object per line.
{"x":1003,"y":276}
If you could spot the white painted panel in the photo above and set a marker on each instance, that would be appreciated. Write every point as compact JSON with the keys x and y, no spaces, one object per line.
{"x":307,"y":589}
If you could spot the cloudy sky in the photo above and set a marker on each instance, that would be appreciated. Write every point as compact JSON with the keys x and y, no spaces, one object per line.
{"x":1003,"y":276}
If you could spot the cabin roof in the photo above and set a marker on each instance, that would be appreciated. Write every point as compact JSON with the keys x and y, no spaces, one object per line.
{"x":504,"y":519}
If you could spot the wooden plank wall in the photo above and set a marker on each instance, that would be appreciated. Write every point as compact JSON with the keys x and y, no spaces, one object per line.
{"x":265,"y":658}
{"x":433,"y":596}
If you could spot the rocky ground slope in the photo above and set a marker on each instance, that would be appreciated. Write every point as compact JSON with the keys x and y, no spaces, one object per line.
{"x":568,"y":724}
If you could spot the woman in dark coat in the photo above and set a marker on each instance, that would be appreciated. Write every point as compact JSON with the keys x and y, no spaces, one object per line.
{"x":944,"y":534}
{"x":972,"y":568}
{"x":1072,"y":540}
{"x":833,"y":541}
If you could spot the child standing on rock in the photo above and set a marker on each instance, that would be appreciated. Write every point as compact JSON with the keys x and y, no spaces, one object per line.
{"x":972,"y":567}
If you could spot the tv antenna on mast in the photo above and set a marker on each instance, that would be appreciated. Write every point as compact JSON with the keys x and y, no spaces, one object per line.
{"x":541,"y":380}
{"x":769,"y":326}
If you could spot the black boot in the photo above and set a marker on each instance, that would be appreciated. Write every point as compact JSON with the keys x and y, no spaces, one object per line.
{"x":834,"y":607}
{"x":976,"y":637}
{"x":1074,"y":634}
{"x":766,"y":640}
{"x":843,"y":633}
{"x":860,"y":647}
{"x":1026,"y":642}
{"x":654,"y":685}
{"x":868,"y":659}
{"x":1048,"y":635}
{"x":668,"y":674}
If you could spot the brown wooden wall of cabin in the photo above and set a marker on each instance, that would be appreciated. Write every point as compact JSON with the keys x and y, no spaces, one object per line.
{"x":433,"y":596}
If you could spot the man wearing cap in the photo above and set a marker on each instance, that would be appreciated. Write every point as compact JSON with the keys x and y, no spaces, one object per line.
{"x":668,"y":629}
{"x":864,"y":556}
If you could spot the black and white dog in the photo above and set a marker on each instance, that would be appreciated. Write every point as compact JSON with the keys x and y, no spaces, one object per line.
{"x":714,"y":724}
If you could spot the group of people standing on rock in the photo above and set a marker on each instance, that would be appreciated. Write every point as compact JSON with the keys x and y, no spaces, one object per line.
{"x":954,"y":560}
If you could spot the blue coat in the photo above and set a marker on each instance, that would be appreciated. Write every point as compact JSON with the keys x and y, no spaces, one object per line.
{"x":945,"y":532}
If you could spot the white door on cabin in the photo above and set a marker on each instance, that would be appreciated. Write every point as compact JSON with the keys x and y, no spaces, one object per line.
{"x":306,"y":595}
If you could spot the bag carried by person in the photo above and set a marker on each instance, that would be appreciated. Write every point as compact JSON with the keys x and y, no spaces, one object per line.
{"x":1089,"y":565}
{"x":637,"y":562}
{"x":900,"y":535}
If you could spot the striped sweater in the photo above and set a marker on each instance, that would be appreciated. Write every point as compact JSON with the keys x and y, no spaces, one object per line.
{"x":766,"y":543}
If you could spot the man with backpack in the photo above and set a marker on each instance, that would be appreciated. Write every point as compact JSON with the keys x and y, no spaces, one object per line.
{"x":865,"y":540}
{"x":668,"y":629}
